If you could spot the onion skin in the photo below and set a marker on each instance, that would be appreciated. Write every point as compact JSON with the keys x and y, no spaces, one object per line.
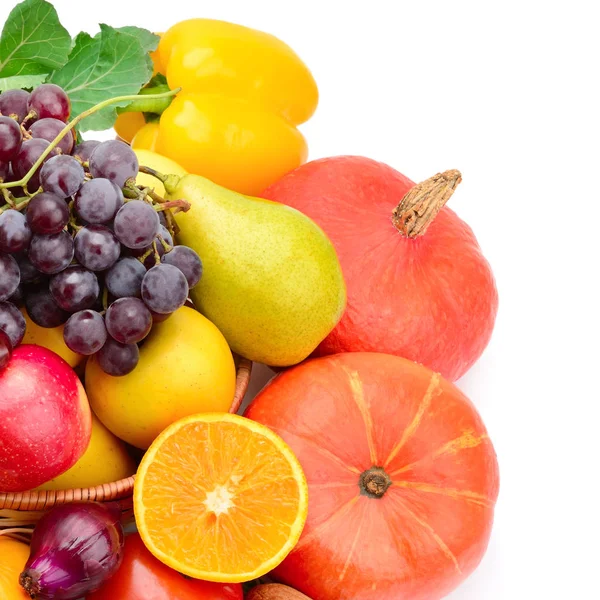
{"x":75,"y":548}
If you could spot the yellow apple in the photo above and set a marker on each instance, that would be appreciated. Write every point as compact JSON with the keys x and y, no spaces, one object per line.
{"x":51,"y":338}
{"x":185,"y":367}
{"x":106,"y":459}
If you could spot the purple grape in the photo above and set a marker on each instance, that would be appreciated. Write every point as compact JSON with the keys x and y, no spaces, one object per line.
{"x":136,"y":224}
{"x":12,"y":323}
{"x":162,"y":218}
{"x":29,"y":273}
{"x":51,"y":254}
{"x":96,"y":247}
{"x":98,"y":201}
{"x":43,"y":309}
{"x":11,"y":138}
{"x":18,"y":297}
{"x":49,"y":101}
{"x":10,"y":276}
{"x":14,"y":102}
{"x":30,"y":151}
{"x":84,"y":150}
{"x":48,"y":129}
{"x":187,"y":261}
{"x":125,"y":278}
{"x":114,"y":160}
{"x":5,"y":350}
{"x":47,"y":213}
{"x":164,"y":289}
{"x":62,"y":175}
{"x":4,"y":171}
{"x":75,"y":289}
{"x":128,"y":320}
{"x":15,"y":234}
{"x":85,"y":332}
{"x":165,"y":234}
{"x":156,"y":318}
{"x":118,"y":359}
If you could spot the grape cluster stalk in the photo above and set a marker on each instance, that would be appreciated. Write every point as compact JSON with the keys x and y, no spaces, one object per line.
{"x":81,"y":245}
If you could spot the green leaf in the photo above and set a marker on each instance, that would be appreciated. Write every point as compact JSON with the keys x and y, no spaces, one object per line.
{"x":33,"y":42}
{"x":113,"y":63}
{"x":21,"y":81}
{"x":147,"y":39}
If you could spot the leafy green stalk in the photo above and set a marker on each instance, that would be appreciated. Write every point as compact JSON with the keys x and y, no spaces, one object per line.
{"x":91,"y":111}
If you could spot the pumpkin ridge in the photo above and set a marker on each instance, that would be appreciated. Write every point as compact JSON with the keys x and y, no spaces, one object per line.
{"x":317,"y":531}
{"x":466,"y":441}
{"x":324,"y":452}
{"x":358,"y":395}
{"x":439,"y":541}
{"x":433,"y":390}
{"x":331,"y":484}
{"x":466,"y":495}
{"x":352,"y":548}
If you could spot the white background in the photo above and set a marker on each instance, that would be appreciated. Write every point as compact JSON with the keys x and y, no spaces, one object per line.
{"x":506,"y":92}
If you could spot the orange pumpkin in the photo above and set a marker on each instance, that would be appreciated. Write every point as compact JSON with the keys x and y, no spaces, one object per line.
{"x":418,"y":284}
{"x":402,"y":477}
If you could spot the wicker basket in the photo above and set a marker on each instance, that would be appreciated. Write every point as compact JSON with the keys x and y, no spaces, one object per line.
{"x":20,"y":511}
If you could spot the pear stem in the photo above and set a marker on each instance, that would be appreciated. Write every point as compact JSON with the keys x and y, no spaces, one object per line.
{"x":423,"y":202}
{"x":156,"y":174}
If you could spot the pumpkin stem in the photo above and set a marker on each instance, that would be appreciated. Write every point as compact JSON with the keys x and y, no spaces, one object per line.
{"x":423,"y":202}
{"x":374,"y":482}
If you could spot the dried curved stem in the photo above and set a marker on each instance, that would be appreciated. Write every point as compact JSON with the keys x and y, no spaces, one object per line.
{"x":423,"y":202}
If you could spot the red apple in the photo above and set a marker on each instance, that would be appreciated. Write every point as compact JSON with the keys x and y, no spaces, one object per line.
{"x":45,"y":419}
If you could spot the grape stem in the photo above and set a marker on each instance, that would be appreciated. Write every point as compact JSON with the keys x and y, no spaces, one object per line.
{"x":72,"y":124}
{"x":8,"y":198}
{"x":167,"y":247}
{"x":12,"y":204}
{"x":178,"y":205}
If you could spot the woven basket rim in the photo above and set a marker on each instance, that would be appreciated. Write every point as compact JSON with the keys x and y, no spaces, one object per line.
{"x":107,"y":492}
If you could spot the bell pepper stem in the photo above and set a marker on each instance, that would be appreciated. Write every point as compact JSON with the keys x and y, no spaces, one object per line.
{"x":146,"y":101}
{"x":70,"y":125}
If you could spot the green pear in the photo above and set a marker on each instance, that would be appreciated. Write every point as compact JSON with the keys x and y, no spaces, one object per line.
{"x":272,"y":282}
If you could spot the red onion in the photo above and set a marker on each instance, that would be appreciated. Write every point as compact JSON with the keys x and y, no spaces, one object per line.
{"x":75,"y":548}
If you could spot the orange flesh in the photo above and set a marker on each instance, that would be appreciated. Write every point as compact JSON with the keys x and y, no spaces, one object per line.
{"x":220,"y":500}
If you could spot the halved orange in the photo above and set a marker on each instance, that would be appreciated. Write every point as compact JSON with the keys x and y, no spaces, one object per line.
{"x":220,"y":497}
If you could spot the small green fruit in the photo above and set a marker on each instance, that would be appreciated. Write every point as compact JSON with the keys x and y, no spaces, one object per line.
{"x":272,"y":282}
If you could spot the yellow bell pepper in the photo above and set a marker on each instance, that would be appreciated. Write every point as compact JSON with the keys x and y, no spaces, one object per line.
{"x":243,"y":94}
{"x":146,"y":138}
{"x":229,"y":141}
{"x":128,"y":124}
{"x":208,"y":56}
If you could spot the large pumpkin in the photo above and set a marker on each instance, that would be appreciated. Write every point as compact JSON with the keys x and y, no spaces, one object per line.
{"x":418,"y":285}
{"x":402,"y":477}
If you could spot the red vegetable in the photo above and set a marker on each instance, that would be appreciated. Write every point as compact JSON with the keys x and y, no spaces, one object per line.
{"x":418,"y":285}
{"x":143,"y":577}
{"x":402,"y":477}
{"x":74,"y":549}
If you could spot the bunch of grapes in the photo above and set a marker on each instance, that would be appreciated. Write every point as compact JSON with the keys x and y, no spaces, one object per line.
{"x":81,"y":244}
